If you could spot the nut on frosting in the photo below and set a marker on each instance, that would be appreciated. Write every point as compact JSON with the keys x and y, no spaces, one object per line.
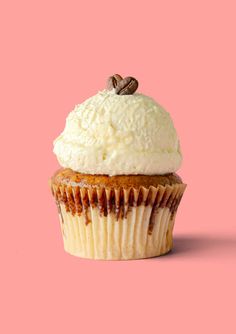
{"x":115,"y":134}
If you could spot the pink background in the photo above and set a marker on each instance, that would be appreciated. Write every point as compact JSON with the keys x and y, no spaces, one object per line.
{"x":54,"y":54}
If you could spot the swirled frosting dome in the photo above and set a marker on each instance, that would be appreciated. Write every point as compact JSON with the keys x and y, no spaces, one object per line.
{"x":119,"y":135}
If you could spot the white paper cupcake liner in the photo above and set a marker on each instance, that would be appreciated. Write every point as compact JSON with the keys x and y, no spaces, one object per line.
{"x":117,"y":224}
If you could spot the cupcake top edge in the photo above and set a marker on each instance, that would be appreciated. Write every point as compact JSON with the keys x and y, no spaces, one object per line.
{"x":68,"y":177}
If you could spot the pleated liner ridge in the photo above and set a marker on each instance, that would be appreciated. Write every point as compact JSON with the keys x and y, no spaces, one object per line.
{"x":117,"y":224}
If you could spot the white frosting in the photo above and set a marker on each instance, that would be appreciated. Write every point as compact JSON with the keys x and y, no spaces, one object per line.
{"x":119,"y":134}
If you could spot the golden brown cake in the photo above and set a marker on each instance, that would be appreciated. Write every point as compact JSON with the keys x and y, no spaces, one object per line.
{"x":100,"y":214}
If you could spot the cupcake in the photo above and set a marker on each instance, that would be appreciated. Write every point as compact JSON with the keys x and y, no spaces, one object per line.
{"x":117,"y":192}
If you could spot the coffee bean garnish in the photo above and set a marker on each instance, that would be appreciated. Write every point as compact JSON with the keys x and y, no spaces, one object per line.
{"x":126,"y":86}
{"x":113,"y":81}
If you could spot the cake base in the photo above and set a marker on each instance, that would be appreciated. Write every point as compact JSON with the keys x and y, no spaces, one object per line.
{"x":119,"y":217}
